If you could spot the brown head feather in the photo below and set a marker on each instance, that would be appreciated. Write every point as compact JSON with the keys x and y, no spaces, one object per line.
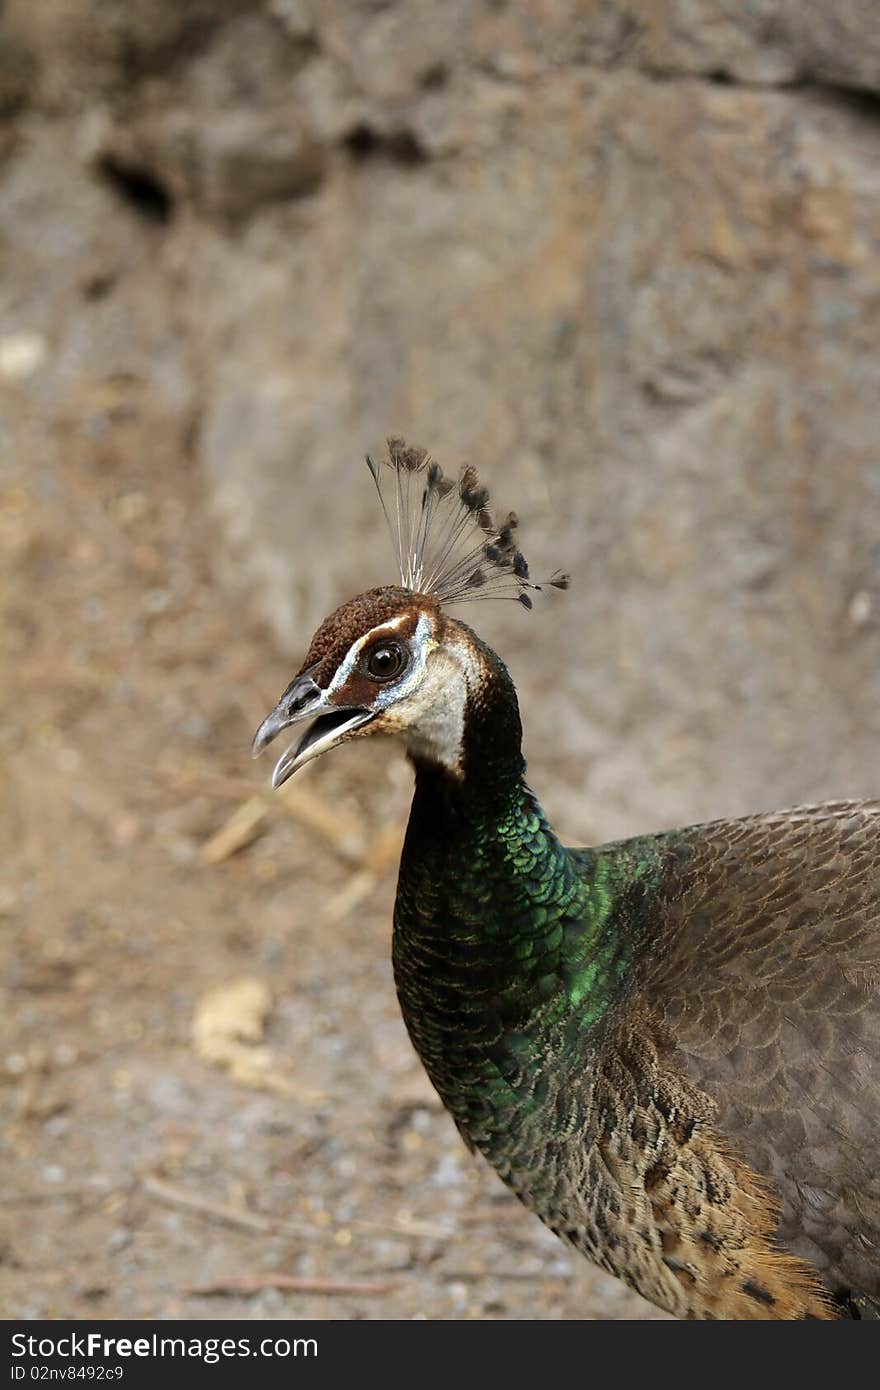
{"x":350,"y":621}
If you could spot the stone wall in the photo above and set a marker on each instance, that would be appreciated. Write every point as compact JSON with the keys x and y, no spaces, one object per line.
{"x":625,"y":257}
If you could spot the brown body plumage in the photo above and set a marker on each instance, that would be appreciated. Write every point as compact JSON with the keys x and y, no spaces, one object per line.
{"x":762,"y":992}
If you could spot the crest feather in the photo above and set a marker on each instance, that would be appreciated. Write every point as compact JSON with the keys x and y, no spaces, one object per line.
{"x":443,"y":532}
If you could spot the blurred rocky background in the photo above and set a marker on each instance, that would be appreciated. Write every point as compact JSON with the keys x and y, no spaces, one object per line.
{"x":623,"y":255}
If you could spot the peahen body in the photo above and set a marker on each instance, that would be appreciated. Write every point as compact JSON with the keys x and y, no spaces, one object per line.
{"x":668,"y":1047}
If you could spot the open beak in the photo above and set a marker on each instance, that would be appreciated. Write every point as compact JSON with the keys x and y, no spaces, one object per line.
{"x":302,"y":700}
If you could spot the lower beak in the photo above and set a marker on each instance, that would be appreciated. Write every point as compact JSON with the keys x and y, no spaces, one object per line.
{"x":329,"y":727}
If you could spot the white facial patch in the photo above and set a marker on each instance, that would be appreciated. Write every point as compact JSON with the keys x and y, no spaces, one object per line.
{"x":435,"y":728}
{"x":426,"y":705}
{"x":433,"y":718}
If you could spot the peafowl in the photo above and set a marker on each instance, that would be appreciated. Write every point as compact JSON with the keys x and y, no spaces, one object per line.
{"x":668,"y":1047}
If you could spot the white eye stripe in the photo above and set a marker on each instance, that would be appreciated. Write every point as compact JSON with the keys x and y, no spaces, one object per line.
{"x":351,"y":657}
{"x":412,"y":675}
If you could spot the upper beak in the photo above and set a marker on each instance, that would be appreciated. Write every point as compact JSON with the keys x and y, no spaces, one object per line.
{"x":270,"y":728}
{"x":303,"y":699}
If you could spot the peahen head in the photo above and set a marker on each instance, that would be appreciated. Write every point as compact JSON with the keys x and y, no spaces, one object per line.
{"x":391,"y":660}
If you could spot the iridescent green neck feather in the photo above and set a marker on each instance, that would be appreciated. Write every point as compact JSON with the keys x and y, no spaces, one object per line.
{"x":506,"y":944}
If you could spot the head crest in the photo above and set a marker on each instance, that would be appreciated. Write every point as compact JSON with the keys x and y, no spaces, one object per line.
{"x":446,"y":540}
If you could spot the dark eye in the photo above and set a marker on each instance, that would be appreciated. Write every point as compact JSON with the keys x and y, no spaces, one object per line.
{"x":385,"y":660}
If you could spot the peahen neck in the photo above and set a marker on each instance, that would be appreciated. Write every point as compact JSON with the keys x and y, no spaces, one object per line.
{"x":504,"y":940}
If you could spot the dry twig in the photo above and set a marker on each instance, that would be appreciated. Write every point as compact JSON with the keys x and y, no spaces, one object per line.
{"x":241,"y":828}
{"x":255,"y":1283}
{"x":174,"y":1196}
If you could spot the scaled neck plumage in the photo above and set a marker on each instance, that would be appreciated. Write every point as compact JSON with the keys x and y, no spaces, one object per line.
{"x":503,"y":937}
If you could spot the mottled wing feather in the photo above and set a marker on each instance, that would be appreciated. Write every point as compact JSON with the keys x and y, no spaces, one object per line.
{"x":766,"y":972}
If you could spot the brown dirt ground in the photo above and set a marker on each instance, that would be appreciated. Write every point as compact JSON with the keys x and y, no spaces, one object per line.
{"x":136,"y":1170}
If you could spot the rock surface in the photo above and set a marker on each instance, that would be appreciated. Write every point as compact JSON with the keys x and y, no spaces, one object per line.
{"x":624,"y":257}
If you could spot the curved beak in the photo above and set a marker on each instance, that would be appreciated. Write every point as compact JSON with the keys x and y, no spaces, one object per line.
{"x":302,"y":700}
